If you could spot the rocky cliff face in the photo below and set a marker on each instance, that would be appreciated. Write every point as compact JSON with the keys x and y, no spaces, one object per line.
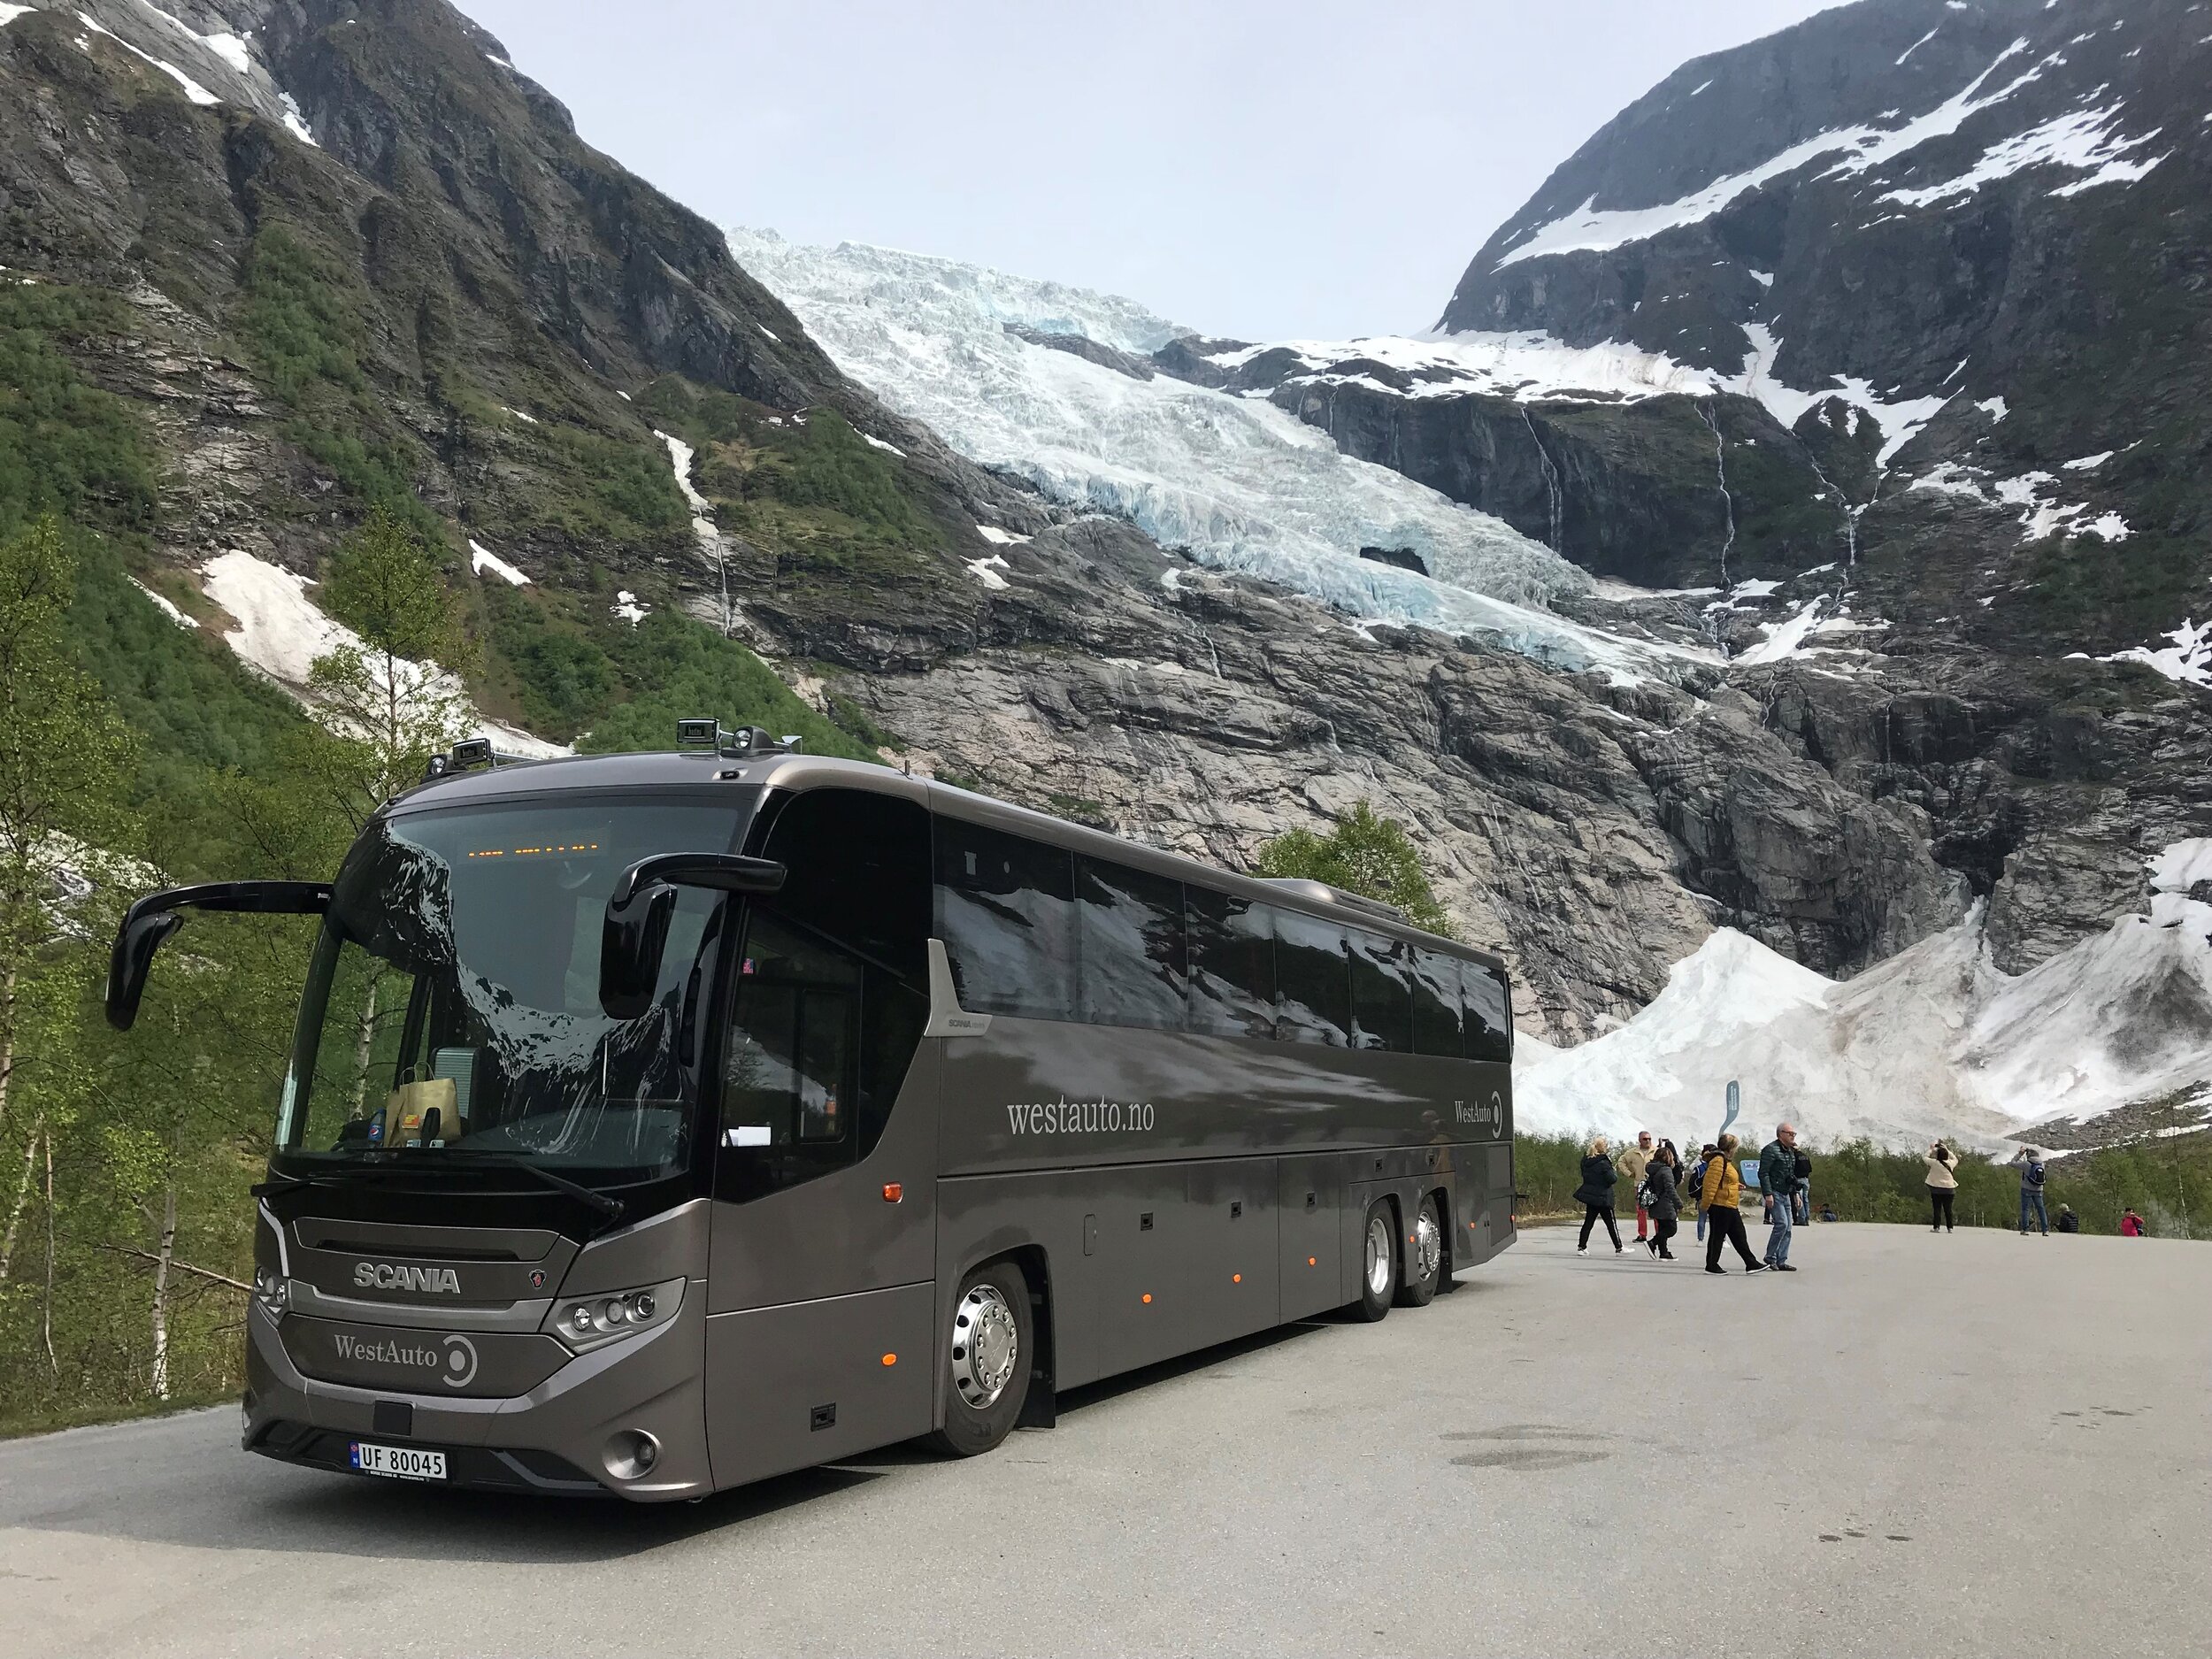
{"x":344,"y":257}
{"x":1886,"y":327}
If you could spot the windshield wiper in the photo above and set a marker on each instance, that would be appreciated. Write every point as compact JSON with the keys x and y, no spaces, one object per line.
{"x":599,"y":1200}
{"x":387,"y":1165}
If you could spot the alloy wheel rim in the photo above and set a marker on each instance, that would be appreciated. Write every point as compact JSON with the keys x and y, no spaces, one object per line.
{"x":1378,"y":1256}
{"x":986,"y":1346}
{"x":1428,"y":1244}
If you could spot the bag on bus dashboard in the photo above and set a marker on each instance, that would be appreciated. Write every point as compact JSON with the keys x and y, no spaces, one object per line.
{"x":409,"y":1106}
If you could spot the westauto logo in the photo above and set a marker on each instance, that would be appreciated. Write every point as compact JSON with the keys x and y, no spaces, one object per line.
{"x":454,"y":1359}
{"x":432,"y":1282}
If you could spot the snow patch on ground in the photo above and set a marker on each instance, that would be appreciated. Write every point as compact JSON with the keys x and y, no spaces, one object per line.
{"x":481,"y":559}
{"x":1241,"y":485}
{"x":166,"y":608}
{"x":193,"y":89}
{"x":280,"y":632}
{"x":704,"y":532}
{"x":2187,"y":657}
{"x":2041,"y":512}
{"x":1899,"y":421}
{"x":1528,"y":365}
{"x":997,"y":537}
{"x":9,"y":13}
{"x":627,"y":607}
{"x":2082,"y":141}
{"x":1934,"y":1041}
{"x":986,"y":570}
{"x":1593,"y":228}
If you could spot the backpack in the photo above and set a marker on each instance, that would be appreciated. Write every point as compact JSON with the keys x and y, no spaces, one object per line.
{"x":2035,"y":1171}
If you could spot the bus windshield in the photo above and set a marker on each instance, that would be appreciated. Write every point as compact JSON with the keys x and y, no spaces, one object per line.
{"x":451,"y":1008}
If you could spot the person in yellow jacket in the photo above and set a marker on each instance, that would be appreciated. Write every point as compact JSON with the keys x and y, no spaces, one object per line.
{"x":1722,"y":1191}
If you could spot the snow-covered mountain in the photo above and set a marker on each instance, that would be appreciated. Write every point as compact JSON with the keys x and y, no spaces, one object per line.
{"x":1053,"y":385}
{"x":1936,"y":1040}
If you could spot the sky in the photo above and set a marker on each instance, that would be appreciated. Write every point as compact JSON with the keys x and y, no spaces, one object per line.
{"x":1259,"y":170}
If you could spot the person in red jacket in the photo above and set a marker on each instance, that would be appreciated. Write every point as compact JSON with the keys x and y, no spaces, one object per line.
{"x":2130,"y":1223}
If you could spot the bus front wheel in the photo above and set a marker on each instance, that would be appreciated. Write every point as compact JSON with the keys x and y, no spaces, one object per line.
{"x":1378,"y":1263}
{"x":989,"y":1356}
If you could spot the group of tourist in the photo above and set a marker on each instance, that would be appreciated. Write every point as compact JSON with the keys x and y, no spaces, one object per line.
{"x":1661,"y":1184}
{"x":1943,"y":1184}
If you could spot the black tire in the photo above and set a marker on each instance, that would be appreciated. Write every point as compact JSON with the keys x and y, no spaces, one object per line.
{"x":1423,"y":1257}
{"x":976,"y":1419}
{"x":1378,"y":1261}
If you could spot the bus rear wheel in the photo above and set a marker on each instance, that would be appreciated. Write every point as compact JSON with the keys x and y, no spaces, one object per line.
{"x":989,"y":1357}
{"x":1379,"y":1262}
{"x":1424,"y":1258}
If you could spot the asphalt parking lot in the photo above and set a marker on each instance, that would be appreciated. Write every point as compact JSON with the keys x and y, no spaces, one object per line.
{"x":1961,"y":1444}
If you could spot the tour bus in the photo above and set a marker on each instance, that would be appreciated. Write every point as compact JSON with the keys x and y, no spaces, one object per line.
{"x":656,"y":1122}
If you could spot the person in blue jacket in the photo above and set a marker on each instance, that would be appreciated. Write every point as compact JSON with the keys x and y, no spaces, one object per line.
{"x":2031,"y":1177}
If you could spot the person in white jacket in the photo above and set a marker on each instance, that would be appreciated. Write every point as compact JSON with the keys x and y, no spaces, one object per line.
{"x":1943,"y":1185}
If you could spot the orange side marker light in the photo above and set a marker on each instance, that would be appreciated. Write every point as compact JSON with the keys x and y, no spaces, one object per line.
{"x":1310,"y":1262}
{"x":1236,"y":1279}
{"x":1148,"y":1295}
{"x":890,"y":1359}
{"x":893,"y":1192}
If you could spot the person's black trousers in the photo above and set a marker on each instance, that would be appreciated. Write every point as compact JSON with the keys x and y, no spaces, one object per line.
{"x":1663,"y":1228}
{"x":1725,"y":1222}
{"x":1942,"y":1198}
{"x":1591,"y":1214}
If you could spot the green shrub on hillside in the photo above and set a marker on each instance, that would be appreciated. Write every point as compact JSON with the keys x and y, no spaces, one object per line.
{"x":1365,"y":854}
{"x":675,"y":668}
{"x":65,"y":446}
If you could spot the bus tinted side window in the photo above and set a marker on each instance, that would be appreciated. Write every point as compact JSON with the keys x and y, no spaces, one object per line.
{"x":1006,"y":911}
{"x":1313,"y":980}
{"x":1132,"y":946}
{"x":1382,"y":998}
{"x":1436,"y":1003}
{"x":1232,"y":965}
{"x":1489,"y":1016}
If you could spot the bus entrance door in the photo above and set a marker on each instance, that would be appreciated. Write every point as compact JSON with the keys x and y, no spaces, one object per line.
{"x":824,"y":1250}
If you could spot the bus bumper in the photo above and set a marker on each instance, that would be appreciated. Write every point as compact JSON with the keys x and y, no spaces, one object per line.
{"x":577,"y":1432}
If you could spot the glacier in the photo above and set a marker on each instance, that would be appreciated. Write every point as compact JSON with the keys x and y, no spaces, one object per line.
{"x":1934,"y":1041}
{"x":1235,"y":482}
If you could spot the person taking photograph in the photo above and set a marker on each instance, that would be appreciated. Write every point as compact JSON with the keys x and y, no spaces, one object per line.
{"x":1943,"y":1187}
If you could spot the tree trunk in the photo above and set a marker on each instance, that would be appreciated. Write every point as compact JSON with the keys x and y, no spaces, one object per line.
{"x":363,"y":1039}
{"x":46,"y":1312}
{"x":7,"y":1036}
{"x":161,"y":1287}
{"x":22,"y":1196}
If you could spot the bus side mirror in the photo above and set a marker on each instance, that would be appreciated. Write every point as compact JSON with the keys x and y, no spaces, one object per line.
{"x":156,"y":916}
{"x":635,"y":931}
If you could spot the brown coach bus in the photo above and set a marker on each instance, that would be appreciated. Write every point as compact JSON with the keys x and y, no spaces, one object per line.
{"x":658,"y":1123}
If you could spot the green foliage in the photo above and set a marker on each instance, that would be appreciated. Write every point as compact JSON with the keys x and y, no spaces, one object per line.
{"x":674,"y":668}
{"x":65,"y":446}
{"x":562,"y":678}
{"x":300,"y":320}
{"x":611,"y":489}
{"x":386,"y":588}
{"x":63,"y":753}
{"x":808,"y":488}
{"x":1365,"y":854}
{"x":301,"y":313}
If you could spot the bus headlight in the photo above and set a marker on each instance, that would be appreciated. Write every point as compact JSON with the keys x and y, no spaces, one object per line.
{"x":592,"y":1321}
{"x":273,"y":1291}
